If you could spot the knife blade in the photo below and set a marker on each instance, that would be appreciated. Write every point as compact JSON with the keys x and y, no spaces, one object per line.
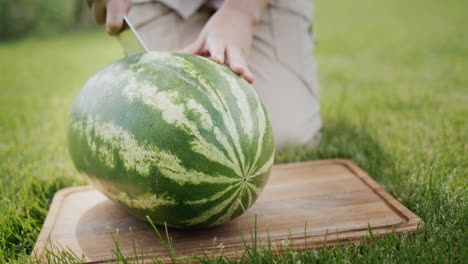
{"x":130,"y":40}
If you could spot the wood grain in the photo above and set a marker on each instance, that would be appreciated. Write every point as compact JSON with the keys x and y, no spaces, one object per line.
{"x":306,"y":203}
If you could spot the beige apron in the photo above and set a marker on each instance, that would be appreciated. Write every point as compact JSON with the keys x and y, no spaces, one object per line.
{"x":281,"y":59}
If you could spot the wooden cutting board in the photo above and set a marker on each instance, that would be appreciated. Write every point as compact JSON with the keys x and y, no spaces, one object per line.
{"x":304,"y":203}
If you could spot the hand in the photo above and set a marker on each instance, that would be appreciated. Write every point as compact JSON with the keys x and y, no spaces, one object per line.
{"x":110,"y":12}
{"x":227,"y":36}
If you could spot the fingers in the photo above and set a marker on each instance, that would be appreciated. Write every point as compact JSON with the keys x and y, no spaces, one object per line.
{"x":220,"y":53}
{"x":216,"y":51}
{"x":128,"y":5}
{"x":99,"y":12}
{"x":213,"y":50}
{"x":194,"y":48}
{"x":110,"y":12}
{"x":114,"y":17}
{"x":236,"y":61}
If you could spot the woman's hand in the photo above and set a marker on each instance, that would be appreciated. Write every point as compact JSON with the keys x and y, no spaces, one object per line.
{"x":227,"y":36}
{"x":110,"y":12}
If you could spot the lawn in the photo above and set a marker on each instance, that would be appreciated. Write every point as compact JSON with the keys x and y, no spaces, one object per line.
{"x":394,"y":77}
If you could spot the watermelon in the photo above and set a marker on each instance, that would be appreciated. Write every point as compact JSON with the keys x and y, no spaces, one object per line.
{"x":175,"y":137}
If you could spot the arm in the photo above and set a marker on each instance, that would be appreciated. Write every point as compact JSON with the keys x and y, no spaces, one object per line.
{"x":227,"y":36}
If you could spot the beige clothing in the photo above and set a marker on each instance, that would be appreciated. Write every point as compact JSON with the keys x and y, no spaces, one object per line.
{"x":281,"y":59}
{"x":186,"y":8}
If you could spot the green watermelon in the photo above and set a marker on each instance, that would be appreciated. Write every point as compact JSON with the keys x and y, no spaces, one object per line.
{"x":175,"y":137}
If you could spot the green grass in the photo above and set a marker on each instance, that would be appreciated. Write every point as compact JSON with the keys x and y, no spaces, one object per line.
{"x":394,"y":77}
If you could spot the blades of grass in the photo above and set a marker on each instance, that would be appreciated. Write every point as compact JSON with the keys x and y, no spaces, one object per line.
{"x":132,"y":239}
{"x":305,"y":235}
{"x":268,"y":238}
{"x":246,"y":247}
{"x":325,"y":240}
{"x":167,"y":246}
{"x":201,"y":260}
{"x":256,"y":233}
{"x":58,"y":254}
{"x":220,"y":258}
{"x":290,"y":237}
{"x":369,"y":230}
{"x":173,"y":252}
{"x":117,"y":252}
{"x":74,"y":255}
{"x":279,"y":249}
{"x":253,"y":235}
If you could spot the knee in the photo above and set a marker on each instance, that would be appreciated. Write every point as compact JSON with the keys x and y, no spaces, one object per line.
{"x":304,"y":135}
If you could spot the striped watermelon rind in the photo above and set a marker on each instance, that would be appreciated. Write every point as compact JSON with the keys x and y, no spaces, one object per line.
{"x":173,"y":136}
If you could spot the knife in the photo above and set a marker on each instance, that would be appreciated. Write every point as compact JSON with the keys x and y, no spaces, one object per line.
{"x":130,"y":40}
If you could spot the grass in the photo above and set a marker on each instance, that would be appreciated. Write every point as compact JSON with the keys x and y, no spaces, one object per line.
{"x":394,"y":77}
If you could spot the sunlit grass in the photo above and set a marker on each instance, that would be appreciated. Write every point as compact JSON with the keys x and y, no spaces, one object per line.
{"x":394,"y":77}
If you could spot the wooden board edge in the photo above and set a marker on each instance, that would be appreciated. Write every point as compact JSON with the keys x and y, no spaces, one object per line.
{"x":392,"y":202}
{"x":304,"y":163}
{"x":44,"y":236}
{"x":329,"y":239}
{"x":298,"y":243}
